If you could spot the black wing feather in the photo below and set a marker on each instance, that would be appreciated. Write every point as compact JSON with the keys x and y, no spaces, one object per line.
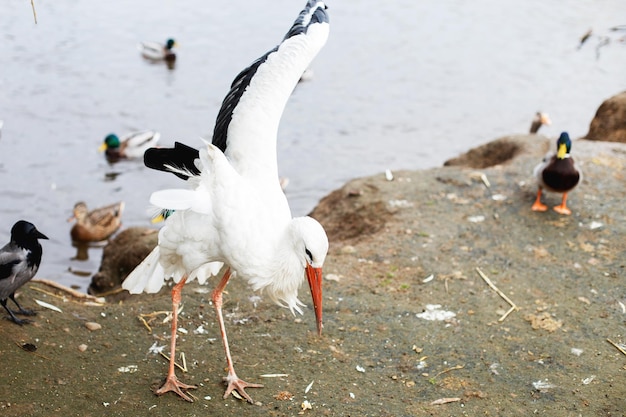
{"x":242,"y":80}
{"x":180,"y":156}
{"x":183,"y":156}
{"x":237,"y":88}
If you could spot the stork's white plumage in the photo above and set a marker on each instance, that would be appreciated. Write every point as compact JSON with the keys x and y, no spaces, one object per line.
{"x":236,"y":212}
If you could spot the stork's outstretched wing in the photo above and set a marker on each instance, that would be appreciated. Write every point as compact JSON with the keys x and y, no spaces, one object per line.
{"x":247,"y":123}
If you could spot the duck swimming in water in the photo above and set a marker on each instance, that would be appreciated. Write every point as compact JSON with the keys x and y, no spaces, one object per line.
{"x":156,"y":51}
{"x":130,"y":146}
{"x":93,"y":226}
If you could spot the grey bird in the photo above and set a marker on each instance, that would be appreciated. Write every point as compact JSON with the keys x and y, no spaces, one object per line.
{"x":19,"y":262}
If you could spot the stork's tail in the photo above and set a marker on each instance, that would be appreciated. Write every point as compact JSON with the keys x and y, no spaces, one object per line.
{"x":148,"y":276}
{"x":181,"y":157}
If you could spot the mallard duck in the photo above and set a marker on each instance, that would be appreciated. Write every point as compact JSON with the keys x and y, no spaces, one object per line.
{"x":96,"y":225}
{"x":557,"y":173}
{"x":130,"y":146}
{"x":539,"y":120}
{"x":156,"y":51}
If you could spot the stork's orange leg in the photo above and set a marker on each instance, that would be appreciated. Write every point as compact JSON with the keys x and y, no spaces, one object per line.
{"x":562,"y":208}
{"x":538,"y":205}
{"x":232,"y":380}
{"x":171,"y":382}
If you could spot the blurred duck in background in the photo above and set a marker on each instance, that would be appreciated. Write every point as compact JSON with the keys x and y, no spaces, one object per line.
{"x":94,"y":226}
{"x":130,"y":146}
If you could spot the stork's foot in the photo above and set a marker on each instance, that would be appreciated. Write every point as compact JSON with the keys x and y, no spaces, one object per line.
{"x":561,"y":209}
{"x":173,"y":384}
{"x":539,"y":206}
{"x":239,"y":385}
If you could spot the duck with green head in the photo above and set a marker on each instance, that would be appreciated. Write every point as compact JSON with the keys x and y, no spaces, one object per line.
{"x":130,"y":146}
{"x":557,"y":173}
{"x":157,"y":51}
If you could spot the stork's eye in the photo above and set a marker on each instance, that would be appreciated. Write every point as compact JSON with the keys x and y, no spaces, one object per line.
{"x":309,"y":255}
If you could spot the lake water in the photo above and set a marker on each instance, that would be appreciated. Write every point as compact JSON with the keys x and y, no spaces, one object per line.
{"x":400,"y":85}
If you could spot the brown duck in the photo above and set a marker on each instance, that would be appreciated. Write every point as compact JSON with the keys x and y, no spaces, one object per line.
{"x":539,"y":120}
{"x":95,"y":225}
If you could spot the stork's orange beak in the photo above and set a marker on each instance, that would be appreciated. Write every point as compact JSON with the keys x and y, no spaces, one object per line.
{"x":314,"y":275}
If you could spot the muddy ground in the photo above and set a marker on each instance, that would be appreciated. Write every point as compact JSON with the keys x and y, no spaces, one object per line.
{"x":397,"y":247}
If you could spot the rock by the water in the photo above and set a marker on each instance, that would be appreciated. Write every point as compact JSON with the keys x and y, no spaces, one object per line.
{"x":350,"y":212}
{"x":121,"y":256}
{"x":490,"y":154}
{"x":609,"y":123}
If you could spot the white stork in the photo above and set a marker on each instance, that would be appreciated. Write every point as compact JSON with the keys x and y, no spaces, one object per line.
{"x":236,"y":212}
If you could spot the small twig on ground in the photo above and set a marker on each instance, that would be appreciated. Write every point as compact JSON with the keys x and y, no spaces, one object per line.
{"x":442,"y":401}
{"x":618,"y":347}
{"x":32,"y":3}
{"x":51,"y":294}
{"x":65,"y":299}
{"x":182,"y":367}
{"x":500,"y":293}
{"x":145,"y":323}
{"x":184,"y":360}
{"x":454,"y":368}
{"x":154,"y":314}
{"x":70,"y":291}
{"x":112,"y":292}
{"x":484,"y":179}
